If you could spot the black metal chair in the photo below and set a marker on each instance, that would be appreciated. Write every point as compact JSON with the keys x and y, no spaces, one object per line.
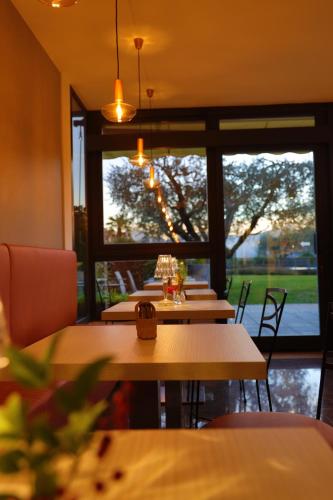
{"x":228,"y":283}
{"x":325,"y":364}
{"x":242,"y":301}
{"x":276,"y":299}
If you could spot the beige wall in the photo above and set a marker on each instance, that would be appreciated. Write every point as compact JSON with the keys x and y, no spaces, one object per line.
{"x":30,"y":138}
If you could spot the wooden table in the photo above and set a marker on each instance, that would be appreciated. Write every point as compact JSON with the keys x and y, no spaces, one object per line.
{"x":180,"y":352}
{"x":190,"y":309}
{"x":155,"y":295}
{"x":188,"y":285}
{"x":238,"y":464}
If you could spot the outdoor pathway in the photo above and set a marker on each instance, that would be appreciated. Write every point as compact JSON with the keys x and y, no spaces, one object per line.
{"x":298,"y":319}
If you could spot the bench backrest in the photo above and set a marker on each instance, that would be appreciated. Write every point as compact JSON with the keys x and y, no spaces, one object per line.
{"x":42,"y":292}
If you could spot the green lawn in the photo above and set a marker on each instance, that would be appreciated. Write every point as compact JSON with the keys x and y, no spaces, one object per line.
{"x":301,"y":289}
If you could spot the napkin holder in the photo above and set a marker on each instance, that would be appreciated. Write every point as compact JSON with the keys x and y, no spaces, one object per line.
{"x":146,"y":321}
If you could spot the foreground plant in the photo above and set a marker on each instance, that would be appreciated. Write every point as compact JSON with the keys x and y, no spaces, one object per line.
{"x":32,"y":450}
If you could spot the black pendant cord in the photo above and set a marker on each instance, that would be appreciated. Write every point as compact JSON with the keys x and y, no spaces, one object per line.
{"x":117,"y":48}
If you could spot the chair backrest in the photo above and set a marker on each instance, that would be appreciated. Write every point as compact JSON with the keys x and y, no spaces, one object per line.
{"x":228,"y":283}
{"x":131,"y":280}
{"x":243,"y":296}
{"x":275,"y":299}
{"x":121,"y":281}
{"x":43,"y":294}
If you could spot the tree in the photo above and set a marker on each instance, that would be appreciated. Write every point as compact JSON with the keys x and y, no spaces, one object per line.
{"x":183,"y":196}
{"x":256,"y":187}
{"x":266,"y":186}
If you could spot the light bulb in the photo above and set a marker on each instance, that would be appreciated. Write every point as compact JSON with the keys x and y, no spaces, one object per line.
{"x":119,"y":112}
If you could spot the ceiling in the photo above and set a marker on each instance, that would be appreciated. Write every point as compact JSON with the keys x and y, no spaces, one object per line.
{"x":195,"y":53}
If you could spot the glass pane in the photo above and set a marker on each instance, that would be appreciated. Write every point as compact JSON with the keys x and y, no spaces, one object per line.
{"x":174,"y":210}
{"x":115,"y":280}
{"x":271,"y":235}
{"x":79,"y":207}
{"x":260,"y":123}
{"x":162,"y":126}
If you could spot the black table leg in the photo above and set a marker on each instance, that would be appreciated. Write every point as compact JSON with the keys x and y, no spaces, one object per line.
{"x":173,"y":404}
{"x":145,"y":405}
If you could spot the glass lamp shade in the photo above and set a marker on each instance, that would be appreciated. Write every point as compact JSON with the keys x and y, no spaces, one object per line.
{"x":140,"y":159}
{"x":152,"y":182}
{"x":118,"y":111}
{"x":57,"y":4}
{"x":164,"y":267}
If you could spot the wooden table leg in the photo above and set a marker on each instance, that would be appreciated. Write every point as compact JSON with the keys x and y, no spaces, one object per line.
{"x":173,"y":404}
{"x":145,"y":405}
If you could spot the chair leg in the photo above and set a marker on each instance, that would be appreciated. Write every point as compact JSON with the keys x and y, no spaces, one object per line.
{"x":321,"y":390}
{"x":269,"y":395}
{"x":197,"y":405}
{"x":244,"y":393}
{"x":258,"y":395}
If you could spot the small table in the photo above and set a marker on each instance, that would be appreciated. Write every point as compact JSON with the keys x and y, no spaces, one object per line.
{"x":180,"y":352}
{"x":188,"y":310}
{"x":154,"y":295}
{"x":242,"y":464}
{"x":188,"y":285}
{"x":239,"y":464}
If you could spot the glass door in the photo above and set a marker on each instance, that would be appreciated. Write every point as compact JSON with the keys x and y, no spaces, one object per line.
{"x":270,"y":235}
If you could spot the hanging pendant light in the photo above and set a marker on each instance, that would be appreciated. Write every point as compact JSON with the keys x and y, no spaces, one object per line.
{"x":57,"y":4}
{"x":139,"y":159}
{"x":118,"y":111}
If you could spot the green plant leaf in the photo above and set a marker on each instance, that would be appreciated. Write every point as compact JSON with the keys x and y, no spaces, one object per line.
{"x":80,"y":424}
{"x":13,"y":417}
{"x":10,"y":461}
{"x":74,"y":398}
{"x":45,"y":484}
{"x":26,"y":370}
{"x":41,"y":430}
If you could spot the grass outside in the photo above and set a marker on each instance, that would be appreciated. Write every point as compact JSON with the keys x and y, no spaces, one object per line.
{"x":301,"y":289}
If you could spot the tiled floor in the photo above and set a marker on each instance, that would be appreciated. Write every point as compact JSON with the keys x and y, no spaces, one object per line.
{"x":294,"y":387}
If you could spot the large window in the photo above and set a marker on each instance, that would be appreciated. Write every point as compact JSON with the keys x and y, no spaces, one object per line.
{"x":173,"y":210}
{"x":246,"y":190}
{"x":270,"y":229}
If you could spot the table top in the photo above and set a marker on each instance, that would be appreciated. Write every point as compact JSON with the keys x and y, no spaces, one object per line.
{"x":158,"y":285}
{"x":238,"y":464}
{"x":180,"y":352}
{"x":193,"y":294}
{"x":190,"y":309}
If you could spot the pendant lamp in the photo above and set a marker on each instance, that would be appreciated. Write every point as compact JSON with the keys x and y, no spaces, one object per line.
{"x":139,"y":159}
{"x":118,"y":111}
{"x":57,"y":4}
